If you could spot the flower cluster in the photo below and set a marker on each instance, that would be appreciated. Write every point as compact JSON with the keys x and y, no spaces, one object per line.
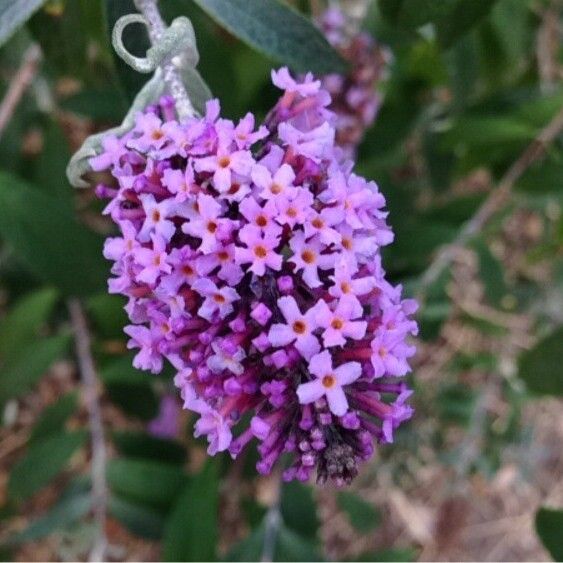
{"x":355,"y":98}
{"x":251,"y":260}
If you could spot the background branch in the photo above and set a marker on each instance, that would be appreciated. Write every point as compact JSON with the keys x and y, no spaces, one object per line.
{"x":496,"y":200}
{"x":90,"y":394}
{"x":19,"y":84}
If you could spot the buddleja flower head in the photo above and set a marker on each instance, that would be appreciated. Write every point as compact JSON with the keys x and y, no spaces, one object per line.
{"x":251,"y":260}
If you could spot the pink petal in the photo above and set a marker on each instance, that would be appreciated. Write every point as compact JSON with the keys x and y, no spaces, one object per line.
{"x":289,"y":308}
{"x":332,"y":337}
{"x":261,"y":176}
{"x":323,"y":315}
{"x":310,"y":392}
{"x":348,"y":373}
{"x":222,"y":179}
{"x":355,"y":329}
{"x":321,"y":364}
{"x":204,"y":287}
{"x":307,"y":345}
{"x":337,"y":401}
{"x":280,"y":335}
{"x":284,"y":175}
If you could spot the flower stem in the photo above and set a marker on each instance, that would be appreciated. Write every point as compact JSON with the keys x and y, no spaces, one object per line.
{"x":172,"y":78}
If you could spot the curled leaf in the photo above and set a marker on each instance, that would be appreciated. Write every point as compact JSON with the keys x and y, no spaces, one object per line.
{"x":79,"y":163}
{"x":178,"y":39}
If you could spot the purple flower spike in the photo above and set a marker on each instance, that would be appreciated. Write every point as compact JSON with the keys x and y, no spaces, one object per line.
{"x":251,"y":259}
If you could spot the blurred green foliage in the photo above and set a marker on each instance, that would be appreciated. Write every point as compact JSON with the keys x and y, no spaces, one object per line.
{"x":465,"y":95}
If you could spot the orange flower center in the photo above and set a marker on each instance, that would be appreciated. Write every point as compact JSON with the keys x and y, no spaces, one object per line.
{"x":156,"y":215}
{"x":157,"y":134}
{"x":337,"y":324}
{"x":299,"y":327}
{"x":308,"y":256}
{"x":261,"y":221}
{"x":212,"y":227}
{"x":218,"y":298}
{"x":260,"y":251}
{"x":276,"y":189}
{"x":318,"y":223}
{"x":224,"y":161}
{"x":329,"y":381}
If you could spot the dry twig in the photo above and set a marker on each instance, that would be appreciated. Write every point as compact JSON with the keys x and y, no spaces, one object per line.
{"x":19,"y":84}
{"x":494,"y":203}
{"x":90,"y":394}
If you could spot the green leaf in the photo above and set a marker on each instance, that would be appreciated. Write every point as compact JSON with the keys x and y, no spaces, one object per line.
{"x":362,"y":515}
{"x":491,"y":273}
{"x":549,"y":524}
{"x":413,"y":13}
{"x":13,"y":14}
{"x":21,"y":325}
{"x":42,"y":462}
{"x":278,"y":31}
{"x":49,"y":167}
{"x":17,"y":377}
{"x":139,"y":401}
{"x":146,"y":482}
{"x":139,"y":520}
{"x":191,"y":531}
{"x":462,"y":16}
{"x":141,"y":445}
{"x":63,"y":39}
{"x":46,"y":236}
{"x":97,"y":104}
{"x":131,"y":389}
{"x":68,"y":510}
{"x":250,"y":548}
{"x":299,"y":509}
{"x":122,"y":372}
{"x":54,"y":417}
{"x":107,"y":314}
{"x":540,"y":367}
{"x":451,"y":18}
{"x":544,"y":178}
{"x":289,"y":546}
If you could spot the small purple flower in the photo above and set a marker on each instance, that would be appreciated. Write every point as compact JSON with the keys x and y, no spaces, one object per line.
{"x":152,"y":261}
{"x":308,"y":257}
{"x":260,"y":251}
{"x":329,"y":382}
{"x":217,"y":300}
{"x":206,"y":223}
{"x":224,"y":164}
{"x":299,"y":328}
{"x":339,"y":324}
{"x":279,"y":184}
{"x":156,"y":218}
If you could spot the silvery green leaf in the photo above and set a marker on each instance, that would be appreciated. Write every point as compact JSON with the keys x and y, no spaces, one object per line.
{"x":79,"y":163}
{"x":198,"y":91}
